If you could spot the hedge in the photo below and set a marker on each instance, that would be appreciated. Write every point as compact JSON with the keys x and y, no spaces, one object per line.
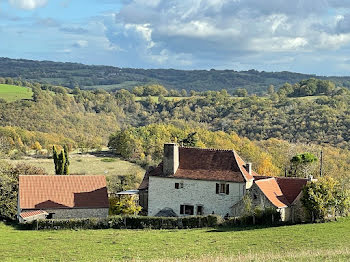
{"x":126,"y":222}
{"x":269,"y":216}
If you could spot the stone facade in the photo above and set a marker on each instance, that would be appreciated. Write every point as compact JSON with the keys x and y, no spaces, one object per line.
{"x":68,"y":213}
{"x":298,"y":212}
{"x":163,"y":194}
{"x":259,"y":200}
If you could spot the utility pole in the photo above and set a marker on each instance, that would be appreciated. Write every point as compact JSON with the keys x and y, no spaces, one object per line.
{"x":321,"y":163}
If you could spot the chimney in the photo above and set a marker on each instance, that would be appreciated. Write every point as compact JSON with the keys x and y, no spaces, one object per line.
{"x":248,"y":167}
{"x":170,"y":159}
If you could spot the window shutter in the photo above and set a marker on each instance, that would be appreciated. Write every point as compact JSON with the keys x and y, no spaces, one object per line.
{"x":227,"y":189}
{"x":217,"y":188}
{"x":182,"y":207}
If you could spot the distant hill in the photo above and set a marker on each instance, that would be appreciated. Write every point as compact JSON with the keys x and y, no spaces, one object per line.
{"x":112,"y":78}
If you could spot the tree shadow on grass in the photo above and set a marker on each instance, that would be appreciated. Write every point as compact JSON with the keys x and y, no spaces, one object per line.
{"x":223,"y":229}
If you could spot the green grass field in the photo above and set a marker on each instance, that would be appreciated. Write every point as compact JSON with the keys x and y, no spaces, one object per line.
{"x":87,"y":164}
{"x":310,"y":242}
{"x":12,"y":93}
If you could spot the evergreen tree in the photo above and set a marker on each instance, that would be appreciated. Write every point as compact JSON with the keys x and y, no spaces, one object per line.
{"x":61,"y":161}
{"x":66,"y":163}
{"x":190,"y":140}
{"x":55,"y":159}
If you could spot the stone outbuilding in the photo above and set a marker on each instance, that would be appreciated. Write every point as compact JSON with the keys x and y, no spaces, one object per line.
{"x":281,"y":193}
{"x":62,"y":197}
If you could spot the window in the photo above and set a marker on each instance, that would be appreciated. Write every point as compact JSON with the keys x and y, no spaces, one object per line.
{"x":50,"y":216}
{"x":179,"y":185}
{"x":255,"y":196}
{"x":222,"y":188}
{"x":186,"y":210}
{"x":200,"y":210}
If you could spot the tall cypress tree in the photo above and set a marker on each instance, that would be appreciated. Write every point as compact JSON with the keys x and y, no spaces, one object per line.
{"x":66,"y":163}
{"x":61,"y":161}
{"x":55,"y":159}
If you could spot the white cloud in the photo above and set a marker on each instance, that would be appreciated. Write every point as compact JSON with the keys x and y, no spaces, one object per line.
{"x":28,"y":4}
{"x":81,"y":43}
{"x":336,"y":41}
{"x":164,"y":32}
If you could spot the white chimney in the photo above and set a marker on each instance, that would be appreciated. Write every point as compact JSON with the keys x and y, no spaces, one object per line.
{"x":170,"y":159}
{"x":248,"y":167}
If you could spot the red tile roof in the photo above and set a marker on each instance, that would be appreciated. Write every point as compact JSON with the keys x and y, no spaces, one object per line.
{"x":291,"y":186}
{"x":205,"y":164}
{"x":273,"y":192}
{"x":32,"y":213}
{"x":45,"y":192}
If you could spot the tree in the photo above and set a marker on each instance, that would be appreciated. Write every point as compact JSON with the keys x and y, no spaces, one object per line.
{"x":125,"y":205}
{"x":66,"y":163}
{"x":325,"y":197}
{"x":61,"y":161}
{"x":9,"y":176}
{"x":190,"y":140}
{"x":271,"y":90}
{"x":37,"y":147}
{"x":240,"y":92}
{"x":183,"y":93}
{"x":302,"y":164}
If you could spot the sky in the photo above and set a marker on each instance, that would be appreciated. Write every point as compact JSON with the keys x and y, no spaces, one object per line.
{"x":268,"y":35}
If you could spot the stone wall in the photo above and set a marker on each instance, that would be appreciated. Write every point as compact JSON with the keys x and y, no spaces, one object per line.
{"x":143,"y":200}
{"x":298,"y":212}
{"x":67,"y":213}
{"x":258,"y":200}
{"x":162,"y":194}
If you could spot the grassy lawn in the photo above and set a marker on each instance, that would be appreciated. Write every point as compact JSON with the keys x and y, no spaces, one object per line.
{"x":88,"y":164}
{"x":12,"y":93}
{"x":311,"y":242}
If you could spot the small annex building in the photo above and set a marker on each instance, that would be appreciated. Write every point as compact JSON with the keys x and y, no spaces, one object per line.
{"x":197,"y":181}
{"x":281,"y":193}
{"x":62,"y":197}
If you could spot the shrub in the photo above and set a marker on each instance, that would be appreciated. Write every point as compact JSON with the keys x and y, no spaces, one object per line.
{"x":268,"y":216}
{"x":126,"y":222}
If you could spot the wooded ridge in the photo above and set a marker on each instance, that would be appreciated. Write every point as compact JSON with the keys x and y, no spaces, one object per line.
{"x":113,"y":78}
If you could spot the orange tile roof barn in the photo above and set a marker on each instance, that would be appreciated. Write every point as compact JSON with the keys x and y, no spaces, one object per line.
{"x":73,"y":191}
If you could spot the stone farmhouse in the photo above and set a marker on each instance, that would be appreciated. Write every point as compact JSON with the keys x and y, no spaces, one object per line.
{"x":62,"y":197}
{"x":195,"y":181}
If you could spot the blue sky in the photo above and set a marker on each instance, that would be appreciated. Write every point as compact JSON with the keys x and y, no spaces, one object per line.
{"x":271,"y":35}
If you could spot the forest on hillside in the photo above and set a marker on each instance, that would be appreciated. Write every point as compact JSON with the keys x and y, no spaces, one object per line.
{"x":112,"y":78}
{"x":86,"y":118}
{"x":306,"y":117}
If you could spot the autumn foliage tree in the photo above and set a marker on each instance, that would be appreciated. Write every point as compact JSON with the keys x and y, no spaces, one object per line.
{"x":325,"y":197}
{"x":124,"y":206}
